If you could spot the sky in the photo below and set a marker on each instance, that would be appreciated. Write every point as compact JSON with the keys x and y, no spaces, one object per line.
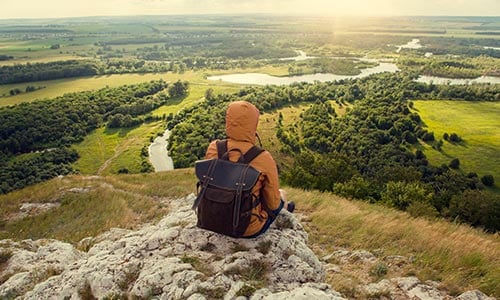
{"x":78,"y":8}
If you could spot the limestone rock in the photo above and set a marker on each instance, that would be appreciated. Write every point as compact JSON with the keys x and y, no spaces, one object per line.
{"x":172,"y":259}
{"x":474,"y":295}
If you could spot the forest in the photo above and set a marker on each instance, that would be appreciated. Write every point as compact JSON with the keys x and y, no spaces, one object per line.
{"x":38,"y":132}
{"x":370,"y":153}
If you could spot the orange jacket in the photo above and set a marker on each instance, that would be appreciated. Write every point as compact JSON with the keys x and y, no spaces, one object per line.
{"x":242,"y":119}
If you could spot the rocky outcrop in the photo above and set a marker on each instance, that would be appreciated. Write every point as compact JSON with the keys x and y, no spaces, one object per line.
{"x":170,"y":260}
{"x":174,"y":259}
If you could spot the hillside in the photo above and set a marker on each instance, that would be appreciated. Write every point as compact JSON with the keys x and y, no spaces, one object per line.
{"x":359,"y":250}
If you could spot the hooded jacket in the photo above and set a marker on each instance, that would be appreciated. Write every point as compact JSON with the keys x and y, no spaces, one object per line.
{"x":242,"y":119}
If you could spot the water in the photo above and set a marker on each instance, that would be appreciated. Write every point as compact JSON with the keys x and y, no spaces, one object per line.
{"x":494,"y":48}
{"x":413,"y":44}
{"x":444,"y":80}
{"x":301,"y":55}
{"x":264,"y":79}
{"x":158,"y":154}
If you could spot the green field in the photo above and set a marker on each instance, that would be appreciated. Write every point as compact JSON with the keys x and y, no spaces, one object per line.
{"x":55,"y":88}
{"x":477,"y":123}
{"x":106,"y":150}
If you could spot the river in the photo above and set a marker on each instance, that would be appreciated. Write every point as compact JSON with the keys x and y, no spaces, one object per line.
{"x":264,"y":79}
{"x":158,"y":154}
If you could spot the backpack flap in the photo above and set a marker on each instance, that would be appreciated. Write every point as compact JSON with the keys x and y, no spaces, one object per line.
{"x":226,"y":174}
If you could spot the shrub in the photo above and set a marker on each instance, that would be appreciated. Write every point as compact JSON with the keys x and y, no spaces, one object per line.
{"x":422,"y":209}
{"x":478,"y":208}
{"x":357,"y":188}
{"x":379,"y":270}
{"x":246,"y":291}
{"x":123,"y":171}
{"x":401,"y":194}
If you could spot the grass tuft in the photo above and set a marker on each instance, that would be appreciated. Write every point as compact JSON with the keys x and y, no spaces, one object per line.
{"x":264,"y":247}
{"x":246,"y":291}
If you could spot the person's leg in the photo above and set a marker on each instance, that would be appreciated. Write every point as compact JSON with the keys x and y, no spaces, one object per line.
{"x":269,"y":221}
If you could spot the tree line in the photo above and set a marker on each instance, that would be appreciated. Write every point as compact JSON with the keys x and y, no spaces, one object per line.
{"x":46,"y":71}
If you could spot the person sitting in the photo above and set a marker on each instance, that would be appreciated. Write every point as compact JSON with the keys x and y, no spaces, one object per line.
{"x":242,"y":119}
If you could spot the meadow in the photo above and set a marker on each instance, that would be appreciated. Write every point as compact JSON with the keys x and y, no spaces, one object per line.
{"x":477,"y":123}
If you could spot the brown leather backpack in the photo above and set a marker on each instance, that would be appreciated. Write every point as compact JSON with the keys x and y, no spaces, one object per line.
{"x":225,"y":201}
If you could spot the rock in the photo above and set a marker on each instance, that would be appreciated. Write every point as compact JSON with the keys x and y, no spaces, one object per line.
{"x":172,"y":259}
{"x":34,"y":262}
{"x":382,"y":287}
{"x":32,"y":209}
{"x":404,"y":288}
{"x":86,"y":243}
{"x":406,"y":283}
{"x":474,"y":295}
{"x":396,"y":260}
{"x":79,"y":190}
{"x":307,"y":292}
{"x":363,"y":256}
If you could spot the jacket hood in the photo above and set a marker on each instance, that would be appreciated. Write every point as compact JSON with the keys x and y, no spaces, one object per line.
{"x":242,"y":119}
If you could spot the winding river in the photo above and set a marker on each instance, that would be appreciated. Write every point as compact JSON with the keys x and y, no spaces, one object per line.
{"x":158,"y":154}
{"x":264,"y":79}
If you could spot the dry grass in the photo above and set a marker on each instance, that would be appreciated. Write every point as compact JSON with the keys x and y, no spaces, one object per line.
{"x":124,"y":201}
{"x":459,"y":256}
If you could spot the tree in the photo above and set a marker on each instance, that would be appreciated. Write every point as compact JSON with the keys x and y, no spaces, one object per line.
{"x":488,"y":180}
{"x":455,"y":163}
{"x":454,"y":138}
{"x":179,"y":88}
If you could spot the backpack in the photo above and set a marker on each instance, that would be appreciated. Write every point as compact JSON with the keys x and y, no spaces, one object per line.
{"x":225,"y":201}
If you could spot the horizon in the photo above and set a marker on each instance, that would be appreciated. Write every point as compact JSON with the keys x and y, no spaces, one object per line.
{"x":246,"y":14}
{"x":60,"y":9}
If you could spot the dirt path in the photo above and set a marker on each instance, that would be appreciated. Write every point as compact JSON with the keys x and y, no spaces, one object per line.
{"x":118,"y":150}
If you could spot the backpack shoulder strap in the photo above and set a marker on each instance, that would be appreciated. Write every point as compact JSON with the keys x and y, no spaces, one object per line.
{"x":252,"y":153}
{"x":221,"y":148}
